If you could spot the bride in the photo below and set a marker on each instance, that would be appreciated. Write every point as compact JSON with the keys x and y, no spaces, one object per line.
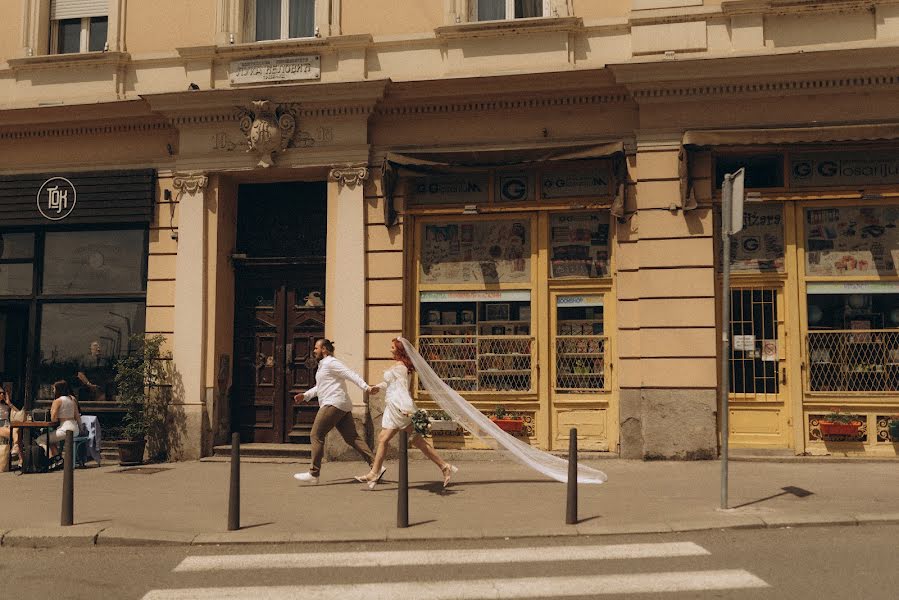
{"x":398,"y":411}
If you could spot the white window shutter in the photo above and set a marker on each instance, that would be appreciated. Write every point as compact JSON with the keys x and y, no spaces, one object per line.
{"x":76,"y":9}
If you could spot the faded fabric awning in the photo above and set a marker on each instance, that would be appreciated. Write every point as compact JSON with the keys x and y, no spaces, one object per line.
{"x":791,"y":135}
{"x":416,"y":164}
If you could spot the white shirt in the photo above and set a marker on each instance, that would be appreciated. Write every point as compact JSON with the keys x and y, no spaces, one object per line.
{"x":330,"y":384}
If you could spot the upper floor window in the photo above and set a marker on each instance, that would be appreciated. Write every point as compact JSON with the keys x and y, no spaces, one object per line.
{"x":280,"y":19}
{"x":497,"y":10}
{"x":78,"y":26}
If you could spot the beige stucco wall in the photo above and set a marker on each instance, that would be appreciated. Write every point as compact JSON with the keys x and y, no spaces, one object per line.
{"x":160,"y":26}
{"x":10,"y":30}
{"x":390,"y":17}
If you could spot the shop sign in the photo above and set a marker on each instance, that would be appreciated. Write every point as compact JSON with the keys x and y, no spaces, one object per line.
{"x":569,"y":301}
{"x":853,"y":287}
{"x":285,"y":68}
{"x":514,"y":187}
{"x":821,"y":169}
{"x":477,"y":296}
{"x":575,"y":183}
{"x":56,"y":198}
{"x":450,"y":189}
{"x":759,"y":246}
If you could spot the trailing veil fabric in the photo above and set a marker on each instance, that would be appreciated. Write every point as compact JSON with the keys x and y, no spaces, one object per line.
{"x":485,"y":430}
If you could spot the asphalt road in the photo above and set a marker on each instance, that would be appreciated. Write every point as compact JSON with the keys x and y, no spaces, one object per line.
{"x":816,"y":562}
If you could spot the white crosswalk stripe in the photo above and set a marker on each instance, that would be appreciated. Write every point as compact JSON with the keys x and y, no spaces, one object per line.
{"x":316,"y":560}
{"x":497,"y":588}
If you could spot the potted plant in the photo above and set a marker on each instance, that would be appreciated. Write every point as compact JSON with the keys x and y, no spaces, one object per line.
{"x":442,"y":422}
{"x":138,"y":377}
{"x":894,"y":428}
{"x":507,"y":422}
{"x":837,"y":423}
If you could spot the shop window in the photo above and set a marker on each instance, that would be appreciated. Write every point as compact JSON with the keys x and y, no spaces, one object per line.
{"x":580,"y":344}
{"x":78,"y":26}
{"x":80,"y":342}
{"x":280,"y":19}
{"x":94,"y":261}
{"x":853,"y":339}
{"x":759,"y":246}
{"x":16,"y":268}
{"x":580,"y":245}
{"x":852,"y":241}
{"x":762,"y":170}
{"x":478,"y":345}
{"x":497,"y":10}
{"x":754,"y":345}
{"x":495,"y":251}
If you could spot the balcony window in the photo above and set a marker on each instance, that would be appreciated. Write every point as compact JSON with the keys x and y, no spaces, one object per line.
{"x":498,"y":10}
{"x":281,"y":19}
{"x":78,"y":26}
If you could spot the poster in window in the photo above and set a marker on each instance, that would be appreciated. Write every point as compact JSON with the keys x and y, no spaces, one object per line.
{"x":759,"y":247}
{"x":579,"y":245}
{"x":497,"y":251}
{"x":852,"y":241}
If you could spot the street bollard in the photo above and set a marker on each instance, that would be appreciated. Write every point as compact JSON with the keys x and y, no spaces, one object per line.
{"x":402,"y":500}
{"x":234,"y":495}
{"x":68,"y":482}
{"x":571,"y":506}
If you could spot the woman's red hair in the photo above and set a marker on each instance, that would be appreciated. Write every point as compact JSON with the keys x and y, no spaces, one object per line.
{"x":399,"y":353}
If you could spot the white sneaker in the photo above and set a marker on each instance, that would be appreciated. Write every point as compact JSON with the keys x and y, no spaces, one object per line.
{"x":306,"y":478}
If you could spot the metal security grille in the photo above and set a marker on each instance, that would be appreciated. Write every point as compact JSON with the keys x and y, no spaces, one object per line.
{"x":476,"y":363}
{"x":865,"y":360}
{"x":754,"y":357}
{"x":580,"y":363}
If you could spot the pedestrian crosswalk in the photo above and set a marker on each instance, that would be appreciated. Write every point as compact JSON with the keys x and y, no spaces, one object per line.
{"x":459,"y":588}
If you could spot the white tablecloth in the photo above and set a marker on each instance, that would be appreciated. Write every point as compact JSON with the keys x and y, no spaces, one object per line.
{"x":93,"y":431}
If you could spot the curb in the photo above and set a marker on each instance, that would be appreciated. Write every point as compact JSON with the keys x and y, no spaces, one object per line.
{"x":86,"y":535}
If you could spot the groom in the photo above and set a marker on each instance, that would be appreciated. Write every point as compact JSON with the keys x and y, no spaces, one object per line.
{"x":335,"y":407}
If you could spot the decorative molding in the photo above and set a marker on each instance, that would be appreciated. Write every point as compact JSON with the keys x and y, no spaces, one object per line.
{"x":510,"y":27}
{"x":349,"y":176}
{"x":189,"y":183}
{"x":74,"y":59}
{"x":268,"y":127}
{"x":87,"y":130}
{"x":798,"y":7}
{"x":498,"y":104}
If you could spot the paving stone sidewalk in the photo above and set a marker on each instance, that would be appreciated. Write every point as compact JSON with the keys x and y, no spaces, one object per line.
{"x":183,"y":503}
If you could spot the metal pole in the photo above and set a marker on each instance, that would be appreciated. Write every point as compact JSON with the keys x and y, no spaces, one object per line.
{"x":726,"y":227}
{"x":68,"y":482}
{"x":234,"y":495}
{"x":571,"y":506}
{"x":402,"y":500}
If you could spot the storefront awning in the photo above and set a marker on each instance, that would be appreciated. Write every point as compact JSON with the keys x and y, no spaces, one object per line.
{"x":474,"y":159}
{"x":791,"y":135}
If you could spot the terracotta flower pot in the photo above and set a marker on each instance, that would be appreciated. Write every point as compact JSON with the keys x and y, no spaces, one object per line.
{"x":829,"y":428}
{"x":509,"y":425}
{"x":131,"y":452}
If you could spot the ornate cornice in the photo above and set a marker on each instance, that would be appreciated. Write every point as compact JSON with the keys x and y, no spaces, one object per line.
{"x":349,"y":176}
{"x":798,"y":7}
{"x":20,"y":133}
{"x":497,"y":104}
{"x":189,"y":183}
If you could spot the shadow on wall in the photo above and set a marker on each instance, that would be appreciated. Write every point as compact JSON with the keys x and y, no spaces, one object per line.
{"x":167,"y":421}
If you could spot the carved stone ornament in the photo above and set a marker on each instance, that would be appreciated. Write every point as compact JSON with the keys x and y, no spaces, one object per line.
{"x":349,"y":176}
{"x":189,"y":183}
{"x":269,"y":128}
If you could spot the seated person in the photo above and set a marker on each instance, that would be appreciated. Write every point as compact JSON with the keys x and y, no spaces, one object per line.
{"x":6,"y":409}
{"x":63,"y":411}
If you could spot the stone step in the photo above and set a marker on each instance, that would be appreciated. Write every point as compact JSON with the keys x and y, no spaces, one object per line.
{"x":291,"y":451}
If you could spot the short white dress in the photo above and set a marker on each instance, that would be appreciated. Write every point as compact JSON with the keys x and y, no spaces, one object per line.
{"x":398,"y":404}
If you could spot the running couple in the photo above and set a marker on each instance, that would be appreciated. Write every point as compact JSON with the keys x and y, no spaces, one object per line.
{"x":335,"y":410}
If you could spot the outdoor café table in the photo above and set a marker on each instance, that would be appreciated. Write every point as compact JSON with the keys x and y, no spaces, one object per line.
{"x":27,"y":426}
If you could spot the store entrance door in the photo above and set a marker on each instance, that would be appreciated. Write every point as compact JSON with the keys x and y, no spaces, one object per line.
{"x":13,"y":351}
{"x":279,"y":315}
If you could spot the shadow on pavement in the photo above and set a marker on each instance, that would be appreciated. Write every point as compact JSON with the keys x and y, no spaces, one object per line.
{"x":787,"y":491}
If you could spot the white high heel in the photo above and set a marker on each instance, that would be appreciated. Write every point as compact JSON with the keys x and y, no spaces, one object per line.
{"x":448,"y":471}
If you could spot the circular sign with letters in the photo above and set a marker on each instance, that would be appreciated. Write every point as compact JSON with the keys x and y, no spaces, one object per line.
{"x":56,"y":198}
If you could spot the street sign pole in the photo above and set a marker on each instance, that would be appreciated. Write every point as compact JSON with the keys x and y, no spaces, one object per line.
{"x":731,"y":222}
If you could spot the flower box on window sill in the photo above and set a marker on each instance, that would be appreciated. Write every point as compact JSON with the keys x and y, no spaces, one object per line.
{"x":444,"y":426}
{"x":509,"y":425}
{"x":829,"y":428}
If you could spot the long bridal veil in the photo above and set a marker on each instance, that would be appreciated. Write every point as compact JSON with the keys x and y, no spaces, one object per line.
{"x":485,"y":430}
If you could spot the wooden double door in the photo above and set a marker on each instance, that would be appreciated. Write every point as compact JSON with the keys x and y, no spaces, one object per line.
{"x":280,"y":313}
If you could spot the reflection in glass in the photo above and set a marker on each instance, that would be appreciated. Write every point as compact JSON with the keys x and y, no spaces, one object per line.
{"x":268,"y":20}
{"x":68,"y":35}
{"x":302,"y":18}
{"x":80,"y":343}
{"x":97,"y":35}
{"x":16,"y":245}
{"x":94,"y":261}
{"x":16,"y":279}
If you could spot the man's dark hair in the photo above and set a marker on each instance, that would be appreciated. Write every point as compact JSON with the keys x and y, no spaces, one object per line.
{"x":327,"y":345}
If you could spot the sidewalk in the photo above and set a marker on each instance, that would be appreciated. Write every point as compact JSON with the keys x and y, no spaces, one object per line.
{"x":187,"y":503}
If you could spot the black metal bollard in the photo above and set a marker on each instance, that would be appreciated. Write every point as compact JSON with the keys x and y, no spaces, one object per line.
{"x":234,"y":495}
{"x":402,"y":500}
{"x":571,"y":506}
{"x":68,"y":482}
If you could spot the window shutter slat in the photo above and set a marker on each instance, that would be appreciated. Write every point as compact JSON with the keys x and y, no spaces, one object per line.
{"x":75,"y":9}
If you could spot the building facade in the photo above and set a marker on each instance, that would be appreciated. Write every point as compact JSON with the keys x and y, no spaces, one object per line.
{"x":528,"y":190}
